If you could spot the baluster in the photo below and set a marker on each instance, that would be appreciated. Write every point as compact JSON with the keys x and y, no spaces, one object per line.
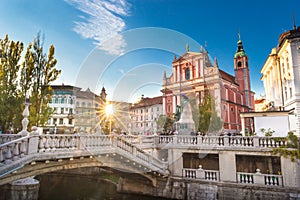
{"x":16,"y":151}
{"x":58,"y":142}
{"x":62,"y":142}
{"x":47,"y":145}
{"x":1,"y":155}
{"x":41,"y":144}
{"x":8,"y":155}
{"x":23,"y":148}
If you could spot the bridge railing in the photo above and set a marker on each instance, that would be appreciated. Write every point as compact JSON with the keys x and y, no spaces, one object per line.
{"x":61,"y":142}
{"x":12,"y":150}
{"x":132,"y":150}
{"x":221,"y":141}
{"x":4,"y":138}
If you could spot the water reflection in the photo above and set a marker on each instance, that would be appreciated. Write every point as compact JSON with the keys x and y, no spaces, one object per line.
{"x":65,"y":187}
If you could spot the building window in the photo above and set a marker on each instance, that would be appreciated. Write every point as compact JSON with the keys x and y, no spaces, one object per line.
{"x":169,"y":108}
{"x":61,"y":110}
{"x":56,"y":100}
{"x":61,"y":121}
{"x":291,"y":92}
{"x":231,"y":109}
{"x":287,"y":64}
{"x":285,"y":92}
{"x":54,"y":121}
{"x":70,"y":121}
{"x":83,"y":104}
{"x":70,"y":100}
{"x":141,"y":118}
{"x":71,"y":111}
{"x":224,"y":107}
{"x":239,"y":64}
{"x":141,"y":110}
{"x":187,"y":73}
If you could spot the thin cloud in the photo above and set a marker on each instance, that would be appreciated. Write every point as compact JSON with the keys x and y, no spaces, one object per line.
{"x":102,"y":22}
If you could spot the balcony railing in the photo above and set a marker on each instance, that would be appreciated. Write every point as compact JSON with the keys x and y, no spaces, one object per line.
{"x":259,"y":179}
{"x":241,"y":177}
{"x":201,"y":174}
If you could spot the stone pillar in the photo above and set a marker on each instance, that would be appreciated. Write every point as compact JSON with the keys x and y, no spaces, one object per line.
{"x":197,"y":69}
{"x":290,"y":172}
{"x":164,"y":105}
{"x":174,"y":103}
{"x":23,"y":189}
{"x":227,"y":169}
{"x":243,"y":126}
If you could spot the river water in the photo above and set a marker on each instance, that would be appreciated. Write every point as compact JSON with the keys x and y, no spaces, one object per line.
{"x":65,"y":187}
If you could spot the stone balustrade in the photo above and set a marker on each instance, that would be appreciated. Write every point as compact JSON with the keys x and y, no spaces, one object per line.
{"x":208,"y":175}
{"x":9,"y":137}
{"x":222,"y":141}
{"x":12,"y":150}
{"x":46,"y":146}
{"x":127,"y":148}
{"x":259,"y":179}
{"x":242,"y":177}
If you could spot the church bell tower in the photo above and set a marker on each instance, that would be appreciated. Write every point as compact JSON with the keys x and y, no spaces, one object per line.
{"x":242,"y":74}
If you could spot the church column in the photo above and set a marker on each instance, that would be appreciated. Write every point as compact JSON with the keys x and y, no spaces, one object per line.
{"x":178,"y":73}
{"x":178,"y":100}
{"x":201,"y":67}
{"x":174,"y":103}
{"x":175,"y":74}
{"x":243,"y":126}
{"x":197,"y":69}
{"x":164,"y":105}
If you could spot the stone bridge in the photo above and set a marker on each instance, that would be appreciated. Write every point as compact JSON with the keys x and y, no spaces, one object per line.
{"x":24,"y":155}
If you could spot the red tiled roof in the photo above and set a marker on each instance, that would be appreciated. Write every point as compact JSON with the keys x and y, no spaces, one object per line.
{"x":226,"y":76}
{"x":145,"y":102}
{"x":257,"y":101}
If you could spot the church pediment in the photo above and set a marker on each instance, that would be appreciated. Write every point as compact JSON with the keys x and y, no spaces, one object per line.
{"x":186,"y":56}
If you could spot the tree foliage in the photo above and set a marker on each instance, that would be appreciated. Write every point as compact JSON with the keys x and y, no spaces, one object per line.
{"x":10,"y":101}
{"x":209,"y":121}
{"x":38,"y":72}
{"x":32,"y":75}
{"x":165,"y":123}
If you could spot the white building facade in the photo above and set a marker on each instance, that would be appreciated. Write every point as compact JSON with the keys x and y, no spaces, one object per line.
{"x":63,"y":104}
{"x":144,"y":115}
{"x":281,"y":77}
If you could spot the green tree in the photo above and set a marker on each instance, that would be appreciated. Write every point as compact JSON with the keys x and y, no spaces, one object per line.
{"x":38,"y":72}
{"x":165,"y":123}
{"x":10,"y":98}
{"x":209,"y":121}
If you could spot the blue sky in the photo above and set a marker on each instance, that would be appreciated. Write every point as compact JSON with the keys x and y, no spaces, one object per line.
{"x":126,"y":45}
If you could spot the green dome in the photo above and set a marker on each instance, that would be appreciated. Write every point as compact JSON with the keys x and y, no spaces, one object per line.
{"x":240,"y":50}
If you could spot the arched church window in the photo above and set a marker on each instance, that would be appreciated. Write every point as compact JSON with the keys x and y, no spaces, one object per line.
{"x":239,"y":64}
{"x":187,"y":73}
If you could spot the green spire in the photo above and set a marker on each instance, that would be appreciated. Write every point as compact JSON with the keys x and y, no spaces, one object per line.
{"x":240,"y":49}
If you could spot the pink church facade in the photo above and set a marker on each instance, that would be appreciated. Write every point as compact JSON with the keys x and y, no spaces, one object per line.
{"x":193,"y":74}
